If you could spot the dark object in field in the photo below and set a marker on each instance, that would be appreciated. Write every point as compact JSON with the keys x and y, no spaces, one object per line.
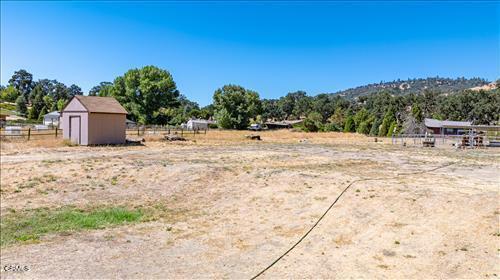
{"x":135,"y":141}
{"x":174,"y":137}
{"x":376,"y":140}
{"x":253,"y":137}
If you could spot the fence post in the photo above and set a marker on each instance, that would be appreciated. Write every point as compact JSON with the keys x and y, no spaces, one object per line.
{"x":138,"y":130}
{"x":205,"y":131}
{"x":29,"y":133}
{"x":182,"y":132}
{"x":56,"y":131}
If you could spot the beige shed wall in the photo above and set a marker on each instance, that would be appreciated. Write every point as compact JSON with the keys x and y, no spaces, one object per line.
{"x":106,"y":128}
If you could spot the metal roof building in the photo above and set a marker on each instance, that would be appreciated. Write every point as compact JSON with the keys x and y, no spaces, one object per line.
{"x":447,"y":127}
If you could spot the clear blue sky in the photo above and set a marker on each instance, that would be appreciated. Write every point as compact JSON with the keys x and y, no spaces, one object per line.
{"x":270,"y":47}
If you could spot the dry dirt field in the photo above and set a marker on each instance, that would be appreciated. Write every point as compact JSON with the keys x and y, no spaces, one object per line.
{"x":228,"y":207}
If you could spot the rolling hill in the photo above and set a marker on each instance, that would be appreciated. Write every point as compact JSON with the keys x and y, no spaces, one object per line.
{"x":401,"y":87}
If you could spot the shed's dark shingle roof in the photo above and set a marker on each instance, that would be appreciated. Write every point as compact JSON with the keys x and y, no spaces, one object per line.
{"x":97,"y":104}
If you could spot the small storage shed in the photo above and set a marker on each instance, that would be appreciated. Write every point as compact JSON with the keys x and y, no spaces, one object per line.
{"x":93,"y":120}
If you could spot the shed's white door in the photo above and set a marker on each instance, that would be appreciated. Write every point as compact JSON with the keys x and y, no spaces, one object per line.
{"x":75,"y":129}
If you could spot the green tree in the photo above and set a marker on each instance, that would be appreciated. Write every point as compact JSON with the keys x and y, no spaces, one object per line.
{"x":313,"y":122}
{"x":429,"y":102}
{"x":146,"y":93}
{"x":392,"y":129}
{"x":386,"y":123}
{"x":49,"y":102}
{"x":271,"y":110}
{"x":295,"y":104}
{"x":375,"y":127}
{"x":235,"y":106}
{"x":74,"y":90}
{"x":38,"y":103}
{"x":103,"y":89}
{"x":323,"y":104}
{"x":337,"y":121}
{"x":207,"y":112}
{"x":417,"y":112}
{"x":61,"y":91}
{"x":361,"y":116}
{"x":46,"y":86}
{"x":32,"y":113}
{"x":21,"y":105}
{"x":366,"y":125}
{"x":187,"y":109}
{"x":9,"y":94}
{"x":60,"y":104}
{"x":349,"y":126}
{"x":43,"y":112}
{"x":22,"y":80}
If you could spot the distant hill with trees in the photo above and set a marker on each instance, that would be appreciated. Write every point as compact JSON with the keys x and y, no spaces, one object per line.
{"x":402,"y":87}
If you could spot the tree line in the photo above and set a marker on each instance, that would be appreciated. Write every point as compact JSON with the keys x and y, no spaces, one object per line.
{"x":150,"y":95}
{"x":42,"y":96}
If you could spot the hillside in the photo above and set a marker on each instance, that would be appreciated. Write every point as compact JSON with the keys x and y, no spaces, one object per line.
{"x":401,"y":87}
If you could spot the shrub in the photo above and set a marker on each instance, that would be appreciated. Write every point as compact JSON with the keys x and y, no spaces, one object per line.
{"x":349,"y":125}
{"x":386,"y":123}
{"x":392,"y":129}
{"x":365,"y":126}
{"x":375,"y":126}
{"x":9,"y":94}
{"x":313,"y":122}
{"x":21,"y":105}
{"x":331,"y":127}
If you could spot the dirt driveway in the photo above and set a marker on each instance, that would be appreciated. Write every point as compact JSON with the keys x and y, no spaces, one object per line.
{"x":236,"y":207}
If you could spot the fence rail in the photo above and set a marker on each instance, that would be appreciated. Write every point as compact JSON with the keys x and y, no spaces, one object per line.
{"x":473,"y":140}
{"x":153,"y":130}
{"x":28,"y":133}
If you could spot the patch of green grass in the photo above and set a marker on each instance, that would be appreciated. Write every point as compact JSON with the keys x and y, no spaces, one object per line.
{"x":31,"y":225}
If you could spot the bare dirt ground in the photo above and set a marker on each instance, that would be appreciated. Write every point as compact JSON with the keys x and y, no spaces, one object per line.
{"x":236,"y":205}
